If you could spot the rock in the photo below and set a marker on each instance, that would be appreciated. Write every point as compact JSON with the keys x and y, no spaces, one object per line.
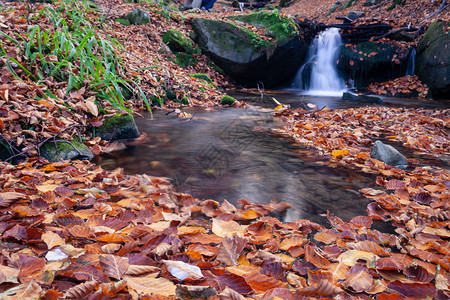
{"x":370,"y":62}
{"x":118,"y":127}
{"x":248,"y":58}
{"x":353,"y":15}
{"x":361,"y":97}
{"x":433,"y":60}
{"x":227,"y":100}
{"x":138,"y":17}
{"x":63,"y":150}
{"x":389,"y":155}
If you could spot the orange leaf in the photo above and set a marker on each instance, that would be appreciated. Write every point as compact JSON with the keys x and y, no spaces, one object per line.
{"x":52,"y":239}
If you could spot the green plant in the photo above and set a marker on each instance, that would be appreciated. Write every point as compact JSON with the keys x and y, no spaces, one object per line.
{"x":73,"y":51}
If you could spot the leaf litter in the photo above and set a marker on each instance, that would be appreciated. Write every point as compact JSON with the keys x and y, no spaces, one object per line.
{"x":74,"y":230}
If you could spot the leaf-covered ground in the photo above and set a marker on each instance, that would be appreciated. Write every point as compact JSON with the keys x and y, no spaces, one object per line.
{"x":74,"y":230}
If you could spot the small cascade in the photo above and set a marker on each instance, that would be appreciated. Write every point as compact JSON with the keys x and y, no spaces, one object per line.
{"x":411,"y":62}
{"x":318,"y":76}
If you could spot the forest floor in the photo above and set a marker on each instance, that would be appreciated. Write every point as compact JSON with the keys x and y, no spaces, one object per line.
{"x":71,"y":229}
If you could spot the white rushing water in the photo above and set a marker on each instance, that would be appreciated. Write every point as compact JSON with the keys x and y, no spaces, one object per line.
{"x":411,"y":63}
{"x":318,"y":76}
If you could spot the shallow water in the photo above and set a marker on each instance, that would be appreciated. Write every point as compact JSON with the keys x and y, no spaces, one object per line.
{"x":230,"y":154}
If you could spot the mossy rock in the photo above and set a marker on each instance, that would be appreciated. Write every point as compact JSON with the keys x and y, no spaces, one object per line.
{"x":370,"y":62}
{"x":178,"y":42}
{"x":433,"y":60}
{"x":227,"y":100}
{"x":281,"y":28}
{"x":118,"y":127}
{"x":63,"y":150}
{"x":123,"y":22}
{"x":247,"y":57}
{"x":138,"y":17}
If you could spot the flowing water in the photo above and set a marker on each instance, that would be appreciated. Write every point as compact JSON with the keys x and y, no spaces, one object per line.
{"x":319,"y":76}
{"x":231,"y":154}
{"x":411,"y":62}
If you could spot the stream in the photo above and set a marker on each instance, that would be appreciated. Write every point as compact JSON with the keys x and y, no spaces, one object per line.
{"x":230,"y":153}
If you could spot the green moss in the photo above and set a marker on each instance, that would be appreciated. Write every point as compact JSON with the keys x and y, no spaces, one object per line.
{"x":118,"y":127}
{"x":177,"y":42}
{"x":61,"y":149}
{"x":184,"y":60}
{"x":201,"y":76}
{"x":123,"y":22}
{"x":227,"y":100}
{"x":279,"y":27}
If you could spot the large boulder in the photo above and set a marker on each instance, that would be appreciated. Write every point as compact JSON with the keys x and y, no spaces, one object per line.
{"x":138,"y":17}
{"x":369,"y":62}
{"x":246,"y":56}
{"x":433,"y":60}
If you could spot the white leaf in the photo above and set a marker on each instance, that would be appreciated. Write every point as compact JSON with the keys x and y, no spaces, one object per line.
{"x":182,"y":270}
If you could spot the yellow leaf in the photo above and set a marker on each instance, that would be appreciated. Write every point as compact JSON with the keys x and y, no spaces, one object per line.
{"x":150,"y":285}
{"x":337,"y":153}
{"x":278,"y":107}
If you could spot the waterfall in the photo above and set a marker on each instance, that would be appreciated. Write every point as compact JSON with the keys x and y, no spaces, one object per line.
{"x":411,"y":62}
{"x":318,"y":75}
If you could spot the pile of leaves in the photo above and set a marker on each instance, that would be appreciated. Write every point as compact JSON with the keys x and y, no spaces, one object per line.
{"x":413,"y":13}
{"x":74,"y":230}
{"x":407,"y":86}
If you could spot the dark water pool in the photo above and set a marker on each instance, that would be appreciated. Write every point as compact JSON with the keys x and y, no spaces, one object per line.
{"x":230,"y":154}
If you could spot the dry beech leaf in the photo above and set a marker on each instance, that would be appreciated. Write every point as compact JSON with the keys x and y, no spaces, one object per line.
{"x":8,"y":274}
{"x":72,"y":251}
{"x":82,"y":290}
{"x":351,"y":257}
{"x":223,"y":228}
{"x":52,"y":239}
{"x":230,"y":249}
{"x":114,"y":266}
{"x":182,"y":270}
{"x":91,"y":106}
{"x":358,"y":279}
{"x":321,"y":289}
{"x":6,"y":198}
{"x":141,"y":269}
{"x":111,"y":248}
{"x":26,"y":291}
{"x":150,"y":286}
{"x":229,"y":294}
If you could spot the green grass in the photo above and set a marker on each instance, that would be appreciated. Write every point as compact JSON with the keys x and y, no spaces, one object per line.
{"x":75,"y":52}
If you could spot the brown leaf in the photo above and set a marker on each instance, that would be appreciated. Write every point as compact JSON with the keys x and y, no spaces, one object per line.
{"x":229,"y":294}
{"x":82,"y":290}
{"x":150,"y":286}
{"x":140,"y":269}
{"x":413,"y":290}
{"x":8,"y":274}
{"x":223,"y":228}
{"x":313,"y":255}
{"x":26,"y":291}
{"x":358,"y":279}
{"x":91,"y":106}
{"x":230,"y":249}
{"x":52,"y":239}
{"x":114,"y":266}
{"x":6,"y":198}
{"x":321,"y":289}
